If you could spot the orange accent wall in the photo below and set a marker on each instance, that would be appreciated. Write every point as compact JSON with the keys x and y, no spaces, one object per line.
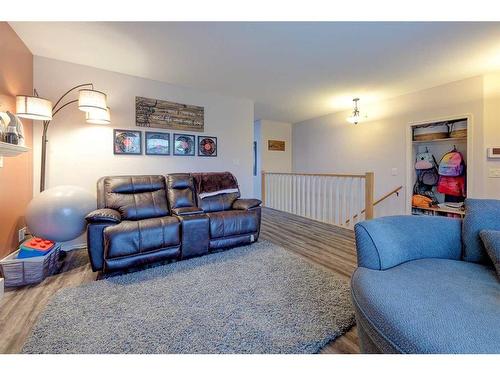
{"x":16,"y":176}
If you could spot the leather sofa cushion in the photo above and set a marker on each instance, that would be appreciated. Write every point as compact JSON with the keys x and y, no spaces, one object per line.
{"x":221,"y":202}
{"x":136,"y":197}
{"x":231,"y":223}
{"x":185,"y":211}
{"x":432,"y":305}
{"x":133,"y":184}
{"x":180,"y":189}
{"x":141,"y":236}
{"x":246,"y":204}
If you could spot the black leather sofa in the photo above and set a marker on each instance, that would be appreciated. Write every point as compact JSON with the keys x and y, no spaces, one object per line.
{"x":151,"y":218}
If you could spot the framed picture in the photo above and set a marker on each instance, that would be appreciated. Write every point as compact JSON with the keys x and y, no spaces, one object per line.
{"x":157,"y":143}
{"x":273,"y":145}
{"x":156,"y":113}
{"x":184,"y":144}
{"x":207,"y":146}
{"x":127,"y":142}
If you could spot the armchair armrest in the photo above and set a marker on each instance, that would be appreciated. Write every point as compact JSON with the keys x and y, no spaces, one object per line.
{"x":104,"y":215}
{"x":185,"y":211}
{"x":246,"y":204}
{"x":389,"y":241}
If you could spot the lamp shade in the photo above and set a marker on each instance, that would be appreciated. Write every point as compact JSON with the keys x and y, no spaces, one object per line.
{"x":98,"y":116}
{"x":33,"y":107}
{"x":89,"y":100}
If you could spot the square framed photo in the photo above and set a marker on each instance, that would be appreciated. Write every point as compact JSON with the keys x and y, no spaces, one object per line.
{"x":157,"y":143}
{"x":207,"y":146}
{"x":127,"y":142}
{"x":184,"y":144}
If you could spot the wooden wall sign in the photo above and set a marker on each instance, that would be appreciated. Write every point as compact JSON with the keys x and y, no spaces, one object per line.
{"x":155,"y":113}
{"x":273,"y":145}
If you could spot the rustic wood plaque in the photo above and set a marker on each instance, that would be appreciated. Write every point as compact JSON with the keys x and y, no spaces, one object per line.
{"x":273,"y":145}
{"x":155,"y":113}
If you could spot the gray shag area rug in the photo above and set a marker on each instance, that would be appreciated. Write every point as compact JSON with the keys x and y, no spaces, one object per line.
{"x":253,"y":299}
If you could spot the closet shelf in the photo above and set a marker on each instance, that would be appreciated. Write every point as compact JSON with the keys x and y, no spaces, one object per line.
{"x":8,"y":149}
{"x":450,"y":140}
{"x":443,"y":210}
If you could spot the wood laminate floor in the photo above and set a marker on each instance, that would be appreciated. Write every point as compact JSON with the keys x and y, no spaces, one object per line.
{"x":323,"y":244}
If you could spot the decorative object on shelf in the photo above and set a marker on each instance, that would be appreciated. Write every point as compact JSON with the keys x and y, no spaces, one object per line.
{"x":14,"y":132}
{"x":356,"y":116}
{"x":157,"y":143}
{"x":155,"y":113}
{"x":58,"y":214}
{"x":91,"y":101}
{"x":207,"y":146}
{"x":127,"y":142}
{"x":184,"y":144}
{"x":273,"y":145}
{"x":4,"y":120}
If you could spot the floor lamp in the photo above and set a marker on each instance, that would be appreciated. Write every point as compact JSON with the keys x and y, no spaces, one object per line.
{"x":92,"y":102}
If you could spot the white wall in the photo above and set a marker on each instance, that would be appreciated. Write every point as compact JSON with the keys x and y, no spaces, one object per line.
{"x":272,"y":161}
{"x":276,"y":161}
{"x":491,"y":132}
{"x":257,"y":180}
{"x":331,"y":145}
{"x":79,"y":153}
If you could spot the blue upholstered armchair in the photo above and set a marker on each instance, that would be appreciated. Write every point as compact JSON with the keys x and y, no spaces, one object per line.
{"x":425,"y":285}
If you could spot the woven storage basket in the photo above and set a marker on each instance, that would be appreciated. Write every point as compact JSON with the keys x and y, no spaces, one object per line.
{"x":430,"y":133}
{"x":459,"y":129}
{"x":18,"y":272}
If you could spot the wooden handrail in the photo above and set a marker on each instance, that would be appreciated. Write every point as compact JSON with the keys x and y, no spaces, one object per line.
{"x":317,"y":174}
{"x":395,"y":191}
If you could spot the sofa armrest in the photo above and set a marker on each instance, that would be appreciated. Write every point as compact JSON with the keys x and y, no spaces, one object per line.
{"x":389,"y":241}
{"x":104,"y":215}
{"x":246,"y":204}
{"x":186,"y":211}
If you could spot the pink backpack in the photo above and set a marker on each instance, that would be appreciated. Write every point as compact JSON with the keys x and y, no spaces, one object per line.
{"x":452,"y":164}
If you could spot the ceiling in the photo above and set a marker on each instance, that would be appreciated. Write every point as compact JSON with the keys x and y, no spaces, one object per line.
{"x":292,"y":70}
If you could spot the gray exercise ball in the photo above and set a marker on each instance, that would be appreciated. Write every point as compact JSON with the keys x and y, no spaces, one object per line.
{"x":58,"y":214}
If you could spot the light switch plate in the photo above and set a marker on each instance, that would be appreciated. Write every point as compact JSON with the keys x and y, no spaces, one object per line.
{"x":494,"y":173}
{"x":1,"y":161}
{"x":394,"y":171}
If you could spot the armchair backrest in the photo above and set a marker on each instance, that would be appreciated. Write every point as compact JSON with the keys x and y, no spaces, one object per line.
{"x":180,"y":190}
{"x":135,"y":197}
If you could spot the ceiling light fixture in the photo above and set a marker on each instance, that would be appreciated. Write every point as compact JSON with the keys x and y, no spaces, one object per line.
{"x":355,"y":118}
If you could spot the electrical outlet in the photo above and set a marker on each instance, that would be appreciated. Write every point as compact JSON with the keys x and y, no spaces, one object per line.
{"x":22,"y":234}
{"x":494,"y":173}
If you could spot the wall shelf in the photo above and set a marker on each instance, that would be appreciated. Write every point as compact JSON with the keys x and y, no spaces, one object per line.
{"x":456,"y":140}
{"x":8,"y":149}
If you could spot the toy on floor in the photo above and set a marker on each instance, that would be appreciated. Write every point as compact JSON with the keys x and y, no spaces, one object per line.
{"x":35,"y":247}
